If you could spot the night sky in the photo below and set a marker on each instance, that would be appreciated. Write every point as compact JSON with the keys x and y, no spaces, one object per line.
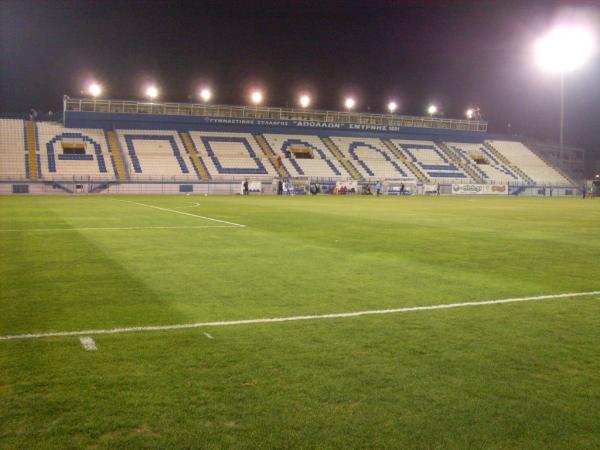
{"x":457,"y":54}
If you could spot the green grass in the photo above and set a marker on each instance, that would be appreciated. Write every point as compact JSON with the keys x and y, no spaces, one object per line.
{"x":504,"y":376}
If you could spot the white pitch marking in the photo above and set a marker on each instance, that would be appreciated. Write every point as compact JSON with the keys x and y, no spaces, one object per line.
{"x":294,"y":318}
{"x":14,"y":230}
{"x":184,"y":213}
{"x":88,"y":343}
{"x":208,"y":336}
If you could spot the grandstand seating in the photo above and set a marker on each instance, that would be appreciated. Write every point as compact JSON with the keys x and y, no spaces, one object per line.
{"x":13,"y":155}
{"x":522,"y":157}
{"x":55,"y":164}
{"x":323,"y":164}
{"x":156,"y":154}
{"x":491,"y":172}
{"x":232,"y":155}
{"x":61,"y":153}
{"x":371,"y":158}
{"x":431,"y":161}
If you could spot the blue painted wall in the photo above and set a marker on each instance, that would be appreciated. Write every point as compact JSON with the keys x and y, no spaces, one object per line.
{"x":75,"y":119}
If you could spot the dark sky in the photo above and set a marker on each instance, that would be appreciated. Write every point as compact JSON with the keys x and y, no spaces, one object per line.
{"x":454,"y":53}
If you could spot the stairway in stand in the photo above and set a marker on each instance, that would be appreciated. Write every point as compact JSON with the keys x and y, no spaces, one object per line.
{"x":500,"y":157}
{"x":115,"y":152}
{"x":413,"y":168}
{"x":458,"y":161}
{"x":33,"y":157}
{"x":194,"y":155}
{"x":343,"y":161}
{"x":264,"y":145}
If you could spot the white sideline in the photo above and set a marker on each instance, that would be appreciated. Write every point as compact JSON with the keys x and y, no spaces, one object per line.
{"x":14,"y":230}
{"x":293,"y":318}
{"x":184,"y":213}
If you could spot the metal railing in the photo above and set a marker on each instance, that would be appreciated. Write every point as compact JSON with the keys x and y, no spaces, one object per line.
{"x":266,"y":113}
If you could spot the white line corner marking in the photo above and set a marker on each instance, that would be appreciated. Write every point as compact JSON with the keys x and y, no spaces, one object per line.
{"x":88,"y":343}
{"x":185,"y":213}
{"x":294,"y":318}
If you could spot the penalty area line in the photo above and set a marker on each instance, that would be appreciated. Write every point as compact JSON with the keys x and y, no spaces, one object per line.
{"x":295,"y":318}
{"x":183,"y":213}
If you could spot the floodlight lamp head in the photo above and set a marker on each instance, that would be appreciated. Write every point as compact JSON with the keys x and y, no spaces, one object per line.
{"x":151,"y":92}
{"x":564,"y":49}
{"x":205,"y":94}
{"x":256,"y":97}
{"x":95,"y":90}
{"x":305,"y":100}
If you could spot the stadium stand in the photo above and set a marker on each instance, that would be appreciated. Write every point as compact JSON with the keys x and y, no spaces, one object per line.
{"x":371,"y":158}
{"x":153,"y":154}
{"x":488,"y":167}
{"x":233,"y":155}
{"x":66,"y":152}
{"x":345,"y":162}
{"x":528,"y":162}
{"x":320,"y":163}
{"x":431,"y":161}
{"x":14,"y":162}
{"x":130,"y":148}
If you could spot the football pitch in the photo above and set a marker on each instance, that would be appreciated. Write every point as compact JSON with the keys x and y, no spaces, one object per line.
{"x":176,"y":293}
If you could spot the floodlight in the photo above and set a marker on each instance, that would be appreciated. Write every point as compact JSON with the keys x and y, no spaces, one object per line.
{"x":152,"y":92}
{"x":392,"y":106}
{"x":349,"y":103}
{"x":470,"y":113}
{"x":432,"y":110}
{"x":205,"y":94}
{"x":256,"y":97}
{"x":564,"y":49}
{"x":95,"y":90}
{"x":304,"y":101}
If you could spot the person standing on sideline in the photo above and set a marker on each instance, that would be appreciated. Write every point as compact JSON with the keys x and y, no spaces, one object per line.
{"x":584,"y":191}
{"x":402,"y":189}
{"x":280,"y":187}
{"x":378,"y":187}
{"x":246,"y":191}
